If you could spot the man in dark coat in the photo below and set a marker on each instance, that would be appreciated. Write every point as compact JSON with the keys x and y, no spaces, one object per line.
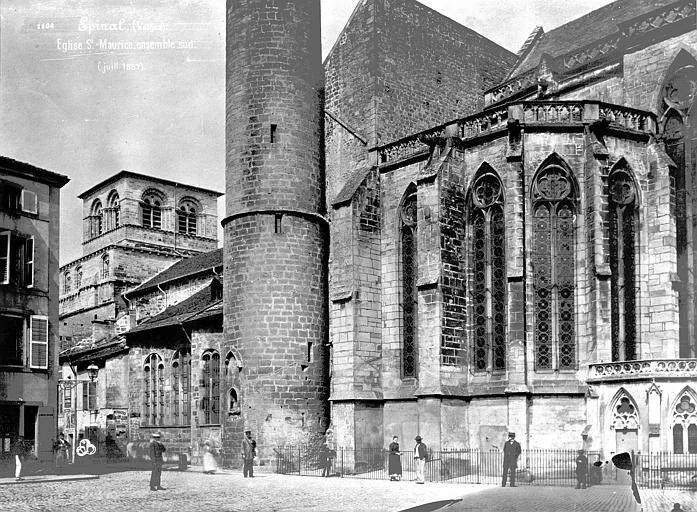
{"x":420,"y":455}
{"x":511,"y":452}
{"x":581,"y":470}
{"x":249,"y":448}
{"x":156,"y":451}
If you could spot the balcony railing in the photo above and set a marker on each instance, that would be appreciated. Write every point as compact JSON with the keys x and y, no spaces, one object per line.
{"x":648,"y":369}
{"x":533,"y":113}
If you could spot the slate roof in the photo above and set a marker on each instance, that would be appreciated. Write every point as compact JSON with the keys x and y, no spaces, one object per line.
{"x":585,"y":30}
{"x":354,"y":181}
{"x":183,"y":268}
{"x":83,"y":353}
{"x":192,"y":308}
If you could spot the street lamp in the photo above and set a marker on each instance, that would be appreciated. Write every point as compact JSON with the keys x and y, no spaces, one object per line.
{"x":70,"y":384}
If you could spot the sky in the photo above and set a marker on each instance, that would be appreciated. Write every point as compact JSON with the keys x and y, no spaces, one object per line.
{"x":84,"y":91}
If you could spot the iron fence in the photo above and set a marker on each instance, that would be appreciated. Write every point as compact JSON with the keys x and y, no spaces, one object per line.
{"x":535,"y":467}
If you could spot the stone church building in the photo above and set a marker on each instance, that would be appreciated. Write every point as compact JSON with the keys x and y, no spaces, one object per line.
{"x":513,"y":236}
{"x":427,"y":235}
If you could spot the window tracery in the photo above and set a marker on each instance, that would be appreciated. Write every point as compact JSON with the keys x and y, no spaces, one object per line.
{"x":154,"y":392}
{"x":623,"y":228}
{"x":409,"y":277}
{"x":489,"y":273}
{"x":181,"y":370}
{"x":625,"y":416}
{"x":553,"y":195}
{"x":210,"y":387}
{"x":677,"y":96}
{"x":685,"y":424}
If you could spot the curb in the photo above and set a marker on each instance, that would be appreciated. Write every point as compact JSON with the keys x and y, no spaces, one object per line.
{"x":44,"y":479}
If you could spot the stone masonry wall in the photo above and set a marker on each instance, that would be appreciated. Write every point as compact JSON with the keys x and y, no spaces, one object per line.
{"x":275,"y":236}
{"x":396,"y":69}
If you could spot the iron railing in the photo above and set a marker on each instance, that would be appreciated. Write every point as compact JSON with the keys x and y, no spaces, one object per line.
{"x":535,"y":467}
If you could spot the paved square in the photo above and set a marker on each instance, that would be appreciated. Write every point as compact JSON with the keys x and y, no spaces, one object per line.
{"x":229,"y":491}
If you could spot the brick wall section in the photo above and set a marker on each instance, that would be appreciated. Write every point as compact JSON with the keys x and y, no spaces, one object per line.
{"x":276,"y":282}
{"x":452,"y":248}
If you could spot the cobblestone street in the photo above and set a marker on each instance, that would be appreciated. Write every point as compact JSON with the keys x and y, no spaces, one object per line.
{"x":228,"y":491}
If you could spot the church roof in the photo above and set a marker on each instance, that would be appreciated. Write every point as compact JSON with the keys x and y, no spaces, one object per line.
{"x":200,"y":305}
{"x":186,"y":267}
{"x":94,"y":350}
{"x":586,"y":30}
{"x":123,"y":174}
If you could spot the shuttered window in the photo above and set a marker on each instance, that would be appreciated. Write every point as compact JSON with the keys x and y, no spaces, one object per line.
{"x":29,"y":262}
{"x":4,"y":257}
{"x":39,"y":342}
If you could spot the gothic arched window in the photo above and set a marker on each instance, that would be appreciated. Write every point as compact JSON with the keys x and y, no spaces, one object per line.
{"x":625,"y":416}
{"x":151,"y":210}
{"x":67,"y":286}
{"x":553,"y":195}
{"x":181,"y":368}
{"x":154,"y":390}
{"x":186,"y":217}
{"x":114,"y":219}
{"x":685,"y":424}
{"x":210,"y":387}
{"x":409,"y":278}
{"x":106,"y":266}
{"x":96,"y":219}
{"x":676,"y":97}
{"x":489,"y":273}
{"x":78,"y":278}
{"x":623,"y":229}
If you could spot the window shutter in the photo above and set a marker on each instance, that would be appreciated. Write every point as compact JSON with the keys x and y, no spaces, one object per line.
{"x":29,"y":262}
{"x":4,"y":257}
{"x":29,"y":202}
{"x":85,"y":396}
{"x":39,"y":342}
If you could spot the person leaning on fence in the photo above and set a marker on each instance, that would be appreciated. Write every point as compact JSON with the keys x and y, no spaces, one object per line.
{"x":420,"y":455}
{"x":511,"y":452}
{"x":581,"y":470}
{"x":156,"y":451}
{"x":394,"y":461}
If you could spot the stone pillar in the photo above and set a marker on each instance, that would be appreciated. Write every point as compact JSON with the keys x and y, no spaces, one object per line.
{"x":275,"y":294}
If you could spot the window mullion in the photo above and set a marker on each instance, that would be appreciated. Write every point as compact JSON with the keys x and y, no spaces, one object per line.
{"x":621,"y":348}
{"x":554,"y":321}
{"x":487,"y":287}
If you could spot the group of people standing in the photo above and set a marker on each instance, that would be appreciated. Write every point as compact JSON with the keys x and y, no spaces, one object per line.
{"x":156,"y":451}
{"x":394,"y":461}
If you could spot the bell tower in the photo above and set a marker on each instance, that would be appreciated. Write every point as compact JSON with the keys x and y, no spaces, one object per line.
{"x":276,"y":235}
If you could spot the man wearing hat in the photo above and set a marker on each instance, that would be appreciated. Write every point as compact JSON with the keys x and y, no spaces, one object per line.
{"x":581,"y":470}
{"x":511,"y":452}
{"x":249,"y":449}
{"x":156,"y":451}
{"x":420,"y":454}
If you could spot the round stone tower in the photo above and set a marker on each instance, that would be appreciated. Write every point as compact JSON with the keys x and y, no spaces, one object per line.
{"x":276,"y":236}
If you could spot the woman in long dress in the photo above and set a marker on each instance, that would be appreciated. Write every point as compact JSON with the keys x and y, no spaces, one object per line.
{"x":394,"y":461}
{"x":210,"y":465}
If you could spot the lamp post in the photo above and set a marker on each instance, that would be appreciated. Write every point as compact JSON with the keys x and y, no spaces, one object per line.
{"x":70,"y":384}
